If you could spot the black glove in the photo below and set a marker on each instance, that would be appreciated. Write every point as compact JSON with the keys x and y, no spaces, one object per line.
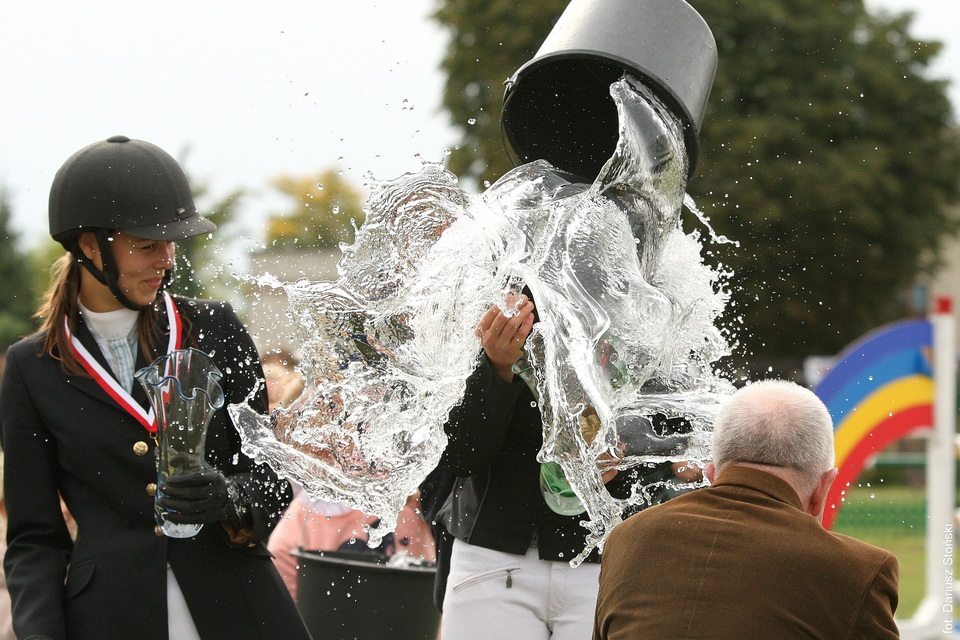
{"x":199,"y":497}
{"x":657,"y":435}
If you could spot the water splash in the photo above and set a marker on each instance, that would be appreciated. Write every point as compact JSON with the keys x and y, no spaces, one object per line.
{"x":692,"y":208}
{"x":627,"y":326}
{"x":385,"y":349}
{"x":628,"y":314}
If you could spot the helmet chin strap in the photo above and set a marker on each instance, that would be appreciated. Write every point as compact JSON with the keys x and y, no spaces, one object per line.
{"x":109,"y":275}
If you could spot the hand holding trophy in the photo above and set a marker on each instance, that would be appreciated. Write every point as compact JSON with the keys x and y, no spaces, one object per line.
{"x":184,"y":392}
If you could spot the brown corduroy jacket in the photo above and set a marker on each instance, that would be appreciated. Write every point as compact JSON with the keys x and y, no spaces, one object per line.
{"x":742,"y":560}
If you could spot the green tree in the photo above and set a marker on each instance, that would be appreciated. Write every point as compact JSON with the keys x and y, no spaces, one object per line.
{"x":198,"y":263}
{"x":490,"y":40}
{"x":826,"y":151}
{"x":199,"y":267}
{"x":326,"y":208}
{"x":832,"y":158}
{"x":16,"y":296}
{"x":40,"y":260}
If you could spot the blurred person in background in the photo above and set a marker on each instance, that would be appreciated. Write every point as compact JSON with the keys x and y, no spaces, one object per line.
{"x":284,"y":382}
{"x":317,"y":525}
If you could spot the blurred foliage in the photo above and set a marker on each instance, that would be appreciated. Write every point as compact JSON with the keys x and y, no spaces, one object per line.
{"x":40,"y":261}
{"x":199,"y":266}
{"x":490,"y":40}
{"x":326,"y":208}
{"x":17,"y":299}
{"x":826,"y":151}
{"x":832,"y":158}
{"x":199,"y":269}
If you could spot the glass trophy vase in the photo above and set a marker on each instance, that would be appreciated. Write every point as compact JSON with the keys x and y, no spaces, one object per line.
{"x":184,"y":391}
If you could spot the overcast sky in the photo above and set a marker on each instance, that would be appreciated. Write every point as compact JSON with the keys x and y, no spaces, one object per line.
{"x":246,"y":91}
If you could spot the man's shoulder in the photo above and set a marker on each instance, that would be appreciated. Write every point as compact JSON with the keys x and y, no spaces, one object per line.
{"x":858,"y":549}
{"x":688,"y":503}
{"x":659,"y":526}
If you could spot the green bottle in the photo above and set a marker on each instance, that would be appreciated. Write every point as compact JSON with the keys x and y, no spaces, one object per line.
{"x":554,"y":485}
{"x":557,"y":492}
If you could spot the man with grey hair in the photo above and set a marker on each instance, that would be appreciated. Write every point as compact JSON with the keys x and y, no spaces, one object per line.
{"x":748,"y":557}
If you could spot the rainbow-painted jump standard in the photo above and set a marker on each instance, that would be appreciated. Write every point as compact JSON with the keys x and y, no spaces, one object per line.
{"x":880,"y":390}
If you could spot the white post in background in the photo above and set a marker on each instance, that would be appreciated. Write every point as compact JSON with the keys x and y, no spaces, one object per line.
{"x":934,"y":617}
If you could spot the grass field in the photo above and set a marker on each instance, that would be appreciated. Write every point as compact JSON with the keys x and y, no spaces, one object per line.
{"x":891,"y":517}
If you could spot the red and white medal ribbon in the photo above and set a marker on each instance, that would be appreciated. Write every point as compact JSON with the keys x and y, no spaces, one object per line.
{"x":109,"y":384}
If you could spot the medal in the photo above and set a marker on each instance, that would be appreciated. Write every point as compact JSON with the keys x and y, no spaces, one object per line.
{"x":109,"y":384}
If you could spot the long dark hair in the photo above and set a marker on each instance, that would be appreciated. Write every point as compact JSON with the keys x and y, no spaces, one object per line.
{"x":59,"y":301}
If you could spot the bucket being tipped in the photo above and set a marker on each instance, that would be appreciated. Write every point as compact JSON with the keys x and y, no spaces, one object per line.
{"x":557,"y":107}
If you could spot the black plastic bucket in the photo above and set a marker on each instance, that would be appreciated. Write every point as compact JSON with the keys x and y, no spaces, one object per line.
{"x":345,"y":596}
{"x":557,"y":107}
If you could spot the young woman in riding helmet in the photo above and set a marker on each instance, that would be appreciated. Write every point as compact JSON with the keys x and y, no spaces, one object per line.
{"x":75,"y":424}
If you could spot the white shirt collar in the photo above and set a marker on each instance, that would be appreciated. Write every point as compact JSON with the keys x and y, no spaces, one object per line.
{"x":110,"y":325}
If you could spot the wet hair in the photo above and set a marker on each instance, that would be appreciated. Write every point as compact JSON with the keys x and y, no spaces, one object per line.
{"x":61,"y":300}
{"x":776,"y":423}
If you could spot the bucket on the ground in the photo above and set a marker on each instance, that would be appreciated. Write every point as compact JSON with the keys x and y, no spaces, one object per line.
{"x":343,"y":596}
{"x":557,"y":107}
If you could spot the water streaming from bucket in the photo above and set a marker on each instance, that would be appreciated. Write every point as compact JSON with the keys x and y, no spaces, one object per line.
{"x":627,"y":329}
